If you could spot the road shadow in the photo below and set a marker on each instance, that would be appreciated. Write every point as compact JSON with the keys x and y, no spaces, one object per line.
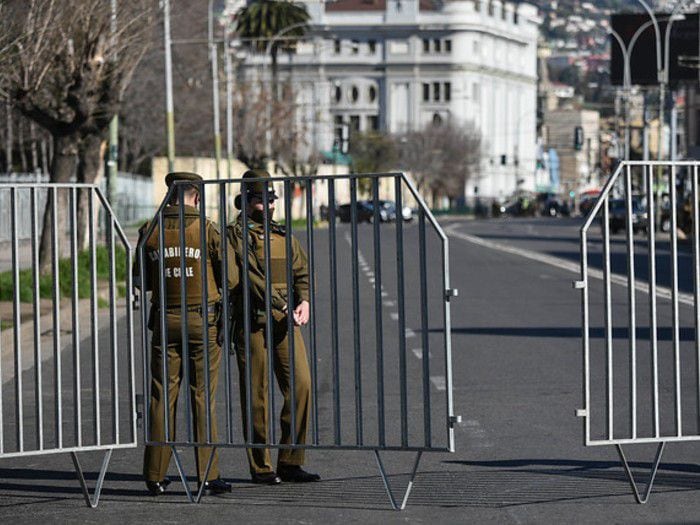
{"x":664,"y":333}
{"x":476,"y":484}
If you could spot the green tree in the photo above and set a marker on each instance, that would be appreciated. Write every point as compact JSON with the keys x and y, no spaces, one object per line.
{"x":372,"y":152}
{"x":265,"y":19}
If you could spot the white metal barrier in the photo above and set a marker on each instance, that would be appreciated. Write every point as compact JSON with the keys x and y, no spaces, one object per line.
{"x":641,"y":372}
{"x":43,"y":405}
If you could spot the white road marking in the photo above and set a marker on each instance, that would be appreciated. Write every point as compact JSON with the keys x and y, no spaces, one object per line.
{"x":418,"y":352}
{"x":438,"y":382}
{"x":384,"y":294}
{"x":661,"y":291}
{"x":389,"y":304}
{"x":394,"y":316}
{"x":410,"y":333}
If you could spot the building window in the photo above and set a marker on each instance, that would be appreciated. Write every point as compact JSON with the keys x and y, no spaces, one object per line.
{"x":437,"y":119}
{"x":447,"y":87}
{"x":372,"y":47}
{"x":477,"y":5}
{"x":504,"y":13}
{"x":355,"y":47}
{"x":338,"y":128}
{"x":372,"y":92}
{"x":354,"y":123}
{"x":426,"y":45}
{"x":336,"y":46}
{"x":338,"y":93}
{"x":354,"y":94}
{"x":373,"y":122}
{"x":437,"y":45}
{"x":436,"y":91}
{"x":426,"y":92}
{"x":448,"y":46}
{"x":491,"y":8}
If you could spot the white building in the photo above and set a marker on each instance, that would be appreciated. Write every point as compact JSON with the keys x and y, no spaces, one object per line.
{"x":397,"y":65}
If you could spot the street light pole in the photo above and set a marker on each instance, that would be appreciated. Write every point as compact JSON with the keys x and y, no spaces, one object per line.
{"x":114,"y":123}
{"x":169,"y":111}
{"x":214,"y":59}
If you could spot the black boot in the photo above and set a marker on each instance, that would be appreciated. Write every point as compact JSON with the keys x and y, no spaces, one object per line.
{"x":296,"y":474}
{"x":215,"y":486}
{"x":156,"y":488}
{"x":266,"y":478}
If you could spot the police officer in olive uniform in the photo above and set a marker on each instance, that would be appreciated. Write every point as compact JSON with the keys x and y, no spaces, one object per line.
{"x":157,"y":458}
{"x":289,"y":461}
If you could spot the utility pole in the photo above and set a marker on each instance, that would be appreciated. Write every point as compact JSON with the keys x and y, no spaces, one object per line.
{"x":214,"y":59}
{"x":169,"y":110}
{"x":112,"y":154}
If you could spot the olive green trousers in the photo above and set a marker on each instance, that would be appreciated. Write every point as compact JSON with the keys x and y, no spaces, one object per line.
{"x":157,"y":458}
{"x":259,"y":458}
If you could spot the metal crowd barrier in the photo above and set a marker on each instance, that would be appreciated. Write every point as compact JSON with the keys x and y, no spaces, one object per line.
{"x":641,"y":371}
{"x":44,"y":408}
{"x":360,"y":274}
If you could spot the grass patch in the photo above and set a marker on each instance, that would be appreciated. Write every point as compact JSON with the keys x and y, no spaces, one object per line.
{"x":65,"y":276}
{"x":4,"y":325}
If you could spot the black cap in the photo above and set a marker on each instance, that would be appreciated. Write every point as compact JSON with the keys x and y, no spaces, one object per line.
{"x":256,"y":189}
{"x":175,"y":176}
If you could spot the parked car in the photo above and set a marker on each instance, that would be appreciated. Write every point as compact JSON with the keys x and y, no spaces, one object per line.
{"x":363,"y":210}
{"x":553,"y":207}
{"x":618,"y":215}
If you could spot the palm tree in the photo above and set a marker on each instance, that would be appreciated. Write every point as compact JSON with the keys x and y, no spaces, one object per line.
{"x":265,"y":19}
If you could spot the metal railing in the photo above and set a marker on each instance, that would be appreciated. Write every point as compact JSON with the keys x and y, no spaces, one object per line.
{"x":366,"y":390}
{"x":46,"y":372}
{"x":641,"y":371}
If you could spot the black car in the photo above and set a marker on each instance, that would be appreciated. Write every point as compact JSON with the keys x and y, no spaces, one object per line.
{"x":364,"y":212}
{"x":618,"y":215}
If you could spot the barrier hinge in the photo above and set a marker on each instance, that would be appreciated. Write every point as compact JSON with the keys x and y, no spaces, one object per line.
{"x":579,"y":285}
{"x":451,"y":292}
{"x":581,"y":412}
{"x":139,"y":409}
{"x":455,"y":420}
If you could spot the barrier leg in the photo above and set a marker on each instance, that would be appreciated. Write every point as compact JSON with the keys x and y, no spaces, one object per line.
{"x":183,"y":476}
{"x":630,"y":477}
{"x":91,"y":501}
{"x":387,"y":485}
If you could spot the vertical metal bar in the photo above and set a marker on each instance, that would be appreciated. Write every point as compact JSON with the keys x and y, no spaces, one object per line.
{"x":130,"y":339}
{"x":146,"y":364}
{"x":632,"y":302}
{"x":609,"y":370}
{"x":425,"y":340}
{"x":77,"y":382}
{"x":379,"y":330}
{"x":310,"y":250}
{"x":696,"y":275}
{"x":402,"y":312}
{"x":653,"y":337}
{"x":224,"y":310}
{"x":334,"y":312}
{"x":38,"y":375}
{"x":269,"y":337}
{"x":17,"y":323}
{"x":184,"y":315}
{"x":113,"y":330}
{"x":449,"y":399}
{"x":56,"y":299}
{"x":95,"y":336}
{"x":247,"y":314}
{"x":586,"y":341}
{"x":356,"y":311}
{"x":674,"y":302}
{"x":165,"y":383}
{"x":205,"y":304}
{"x":291,"y":301}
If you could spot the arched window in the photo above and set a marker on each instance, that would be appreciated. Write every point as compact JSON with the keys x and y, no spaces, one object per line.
{"x":338,"y":93}
{"x":354,"y":94}
{"x":437,"y":119}
{"x":372,"y":93}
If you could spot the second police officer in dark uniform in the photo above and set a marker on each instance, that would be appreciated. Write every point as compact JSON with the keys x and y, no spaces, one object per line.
{"x":289,"y":461}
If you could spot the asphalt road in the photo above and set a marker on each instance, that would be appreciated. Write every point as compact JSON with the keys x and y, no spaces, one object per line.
{"x":517,"y":383}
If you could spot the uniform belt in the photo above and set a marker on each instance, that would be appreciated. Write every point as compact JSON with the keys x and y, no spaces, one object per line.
{"x":191,"y":308}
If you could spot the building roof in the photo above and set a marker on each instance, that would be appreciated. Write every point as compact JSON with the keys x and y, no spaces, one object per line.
{"x":371,"y":5}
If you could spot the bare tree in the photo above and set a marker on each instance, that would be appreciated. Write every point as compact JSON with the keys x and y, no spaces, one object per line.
{"x":441,"y":158}
{"x":63,"y":67}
